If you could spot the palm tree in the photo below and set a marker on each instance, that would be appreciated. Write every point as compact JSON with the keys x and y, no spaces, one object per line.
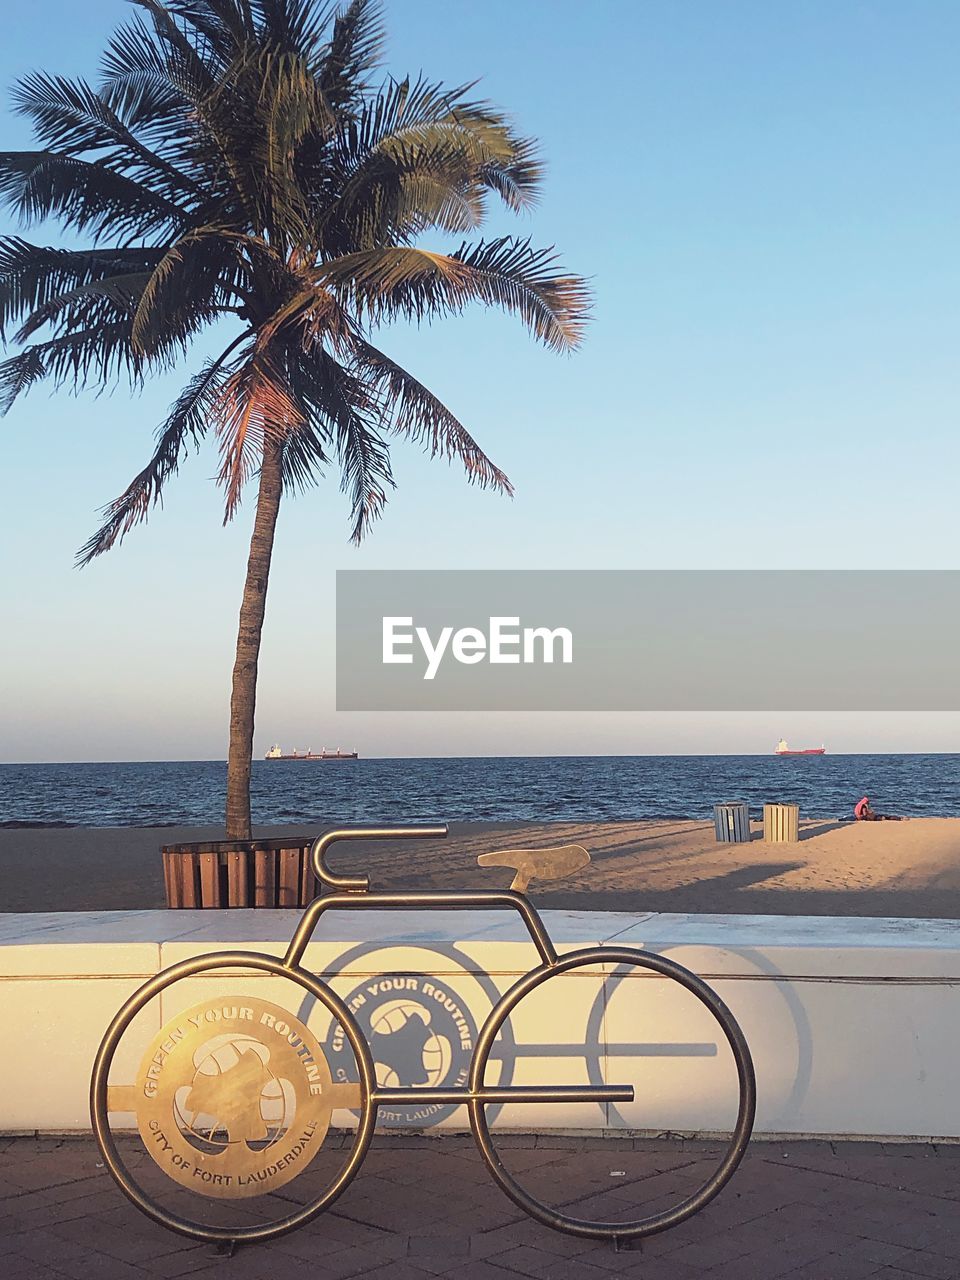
{"x":237,"y":168}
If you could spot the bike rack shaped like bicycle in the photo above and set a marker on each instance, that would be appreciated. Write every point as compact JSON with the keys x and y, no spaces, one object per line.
{"x":260,"y":1081}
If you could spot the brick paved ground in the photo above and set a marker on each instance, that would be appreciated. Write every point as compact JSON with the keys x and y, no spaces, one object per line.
{"x":425,"y":1207}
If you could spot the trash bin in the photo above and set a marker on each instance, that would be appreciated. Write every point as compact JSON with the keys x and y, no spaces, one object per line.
{"x":781,"y":823}
{"x":732,"y":823}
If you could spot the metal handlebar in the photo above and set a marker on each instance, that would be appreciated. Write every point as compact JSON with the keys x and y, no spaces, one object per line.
{"x":360,"y":884}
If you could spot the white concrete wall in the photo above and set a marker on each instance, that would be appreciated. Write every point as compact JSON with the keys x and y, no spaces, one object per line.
{"x":854,"y":1024}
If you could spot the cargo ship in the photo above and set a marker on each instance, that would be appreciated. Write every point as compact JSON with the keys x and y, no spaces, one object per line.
{"x":277,"y":753}
{"x":784,"y":750}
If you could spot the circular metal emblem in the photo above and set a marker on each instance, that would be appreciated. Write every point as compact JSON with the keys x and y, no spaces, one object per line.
{"x":420,"y":1033}
{"x":233,"y":1098}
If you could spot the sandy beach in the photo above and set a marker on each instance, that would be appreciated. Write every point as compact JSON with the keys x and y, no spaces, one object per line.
{"x":909,"y":868}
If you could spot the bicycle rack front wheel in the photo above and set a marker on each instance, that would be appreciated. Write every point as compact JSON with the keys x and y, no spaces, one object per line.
{"x":617,"y":958}
{"x":271,"y":1054}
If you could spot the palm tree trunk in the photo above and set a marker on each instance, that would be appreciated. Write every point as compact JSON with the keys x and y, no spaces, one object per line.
{"x":244,"y":695}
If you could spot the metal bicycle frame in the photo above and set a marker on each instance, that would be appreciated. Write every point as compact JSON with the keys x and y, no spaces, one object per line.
{"x":353,"y":893}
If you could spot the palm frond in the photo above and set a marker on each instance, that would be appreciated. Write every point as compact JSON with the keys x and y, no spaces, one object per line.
{"x":134,"y":60}
{"x":396,"y":194}
{"x":365,"y":473}
{"x":292,"y":106}
{"x":223,"y":24}
{"x":517,"y":179}
{"x":376,"y":279}
{"x":255,"y":405}
{"x":66,"y":115}
{"x":147,"y":91}
{"x":364,"y":457}
{"x":292,"y":25}
{"x":345,"y":410}
{"x":19,"y":373}
{"x":303,"y":458}
{"x":196,"y":63}
{"x":415,"y":412}
{"x":97,"y":302}
{"x":413,"y":125}
{"x":234,"y":16}
{"x":199,"y":276}
{"x":32,"y":276}
{"x":505,"y":273}
{"x":187,"y":422}
{"x":83,"y":357}
{"x":355,"y":48}
{"x":71,"y":117}
{"x":83,"y":196}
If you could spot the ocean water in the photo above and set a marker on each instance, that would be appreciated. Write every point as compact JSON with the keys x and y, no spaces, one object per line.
{"x":589,"y":789}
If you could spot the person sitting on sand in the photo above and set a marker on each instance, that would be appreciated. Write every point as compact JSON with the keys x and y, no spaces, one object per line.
{"x":863,"y":813}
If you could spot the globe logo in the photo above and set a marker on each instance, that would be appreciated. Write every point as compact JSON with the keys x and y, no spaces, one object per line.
{"x":421,"y":1035}
{"x":405,"y":1047}
{"x":233,"y":1097}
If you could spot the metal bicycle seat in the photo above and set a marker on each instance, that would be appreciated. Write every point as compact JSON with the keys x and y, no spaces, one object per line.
{"x":555,"y":863}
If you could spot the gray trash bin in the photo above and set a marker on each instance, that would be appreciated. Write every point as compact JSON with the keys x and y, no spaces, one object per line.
{"x":732,"y":823}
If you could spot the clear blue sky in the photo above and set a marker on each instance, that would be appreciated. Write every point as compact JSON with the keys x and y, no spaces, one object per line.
{"x":767,"y":198}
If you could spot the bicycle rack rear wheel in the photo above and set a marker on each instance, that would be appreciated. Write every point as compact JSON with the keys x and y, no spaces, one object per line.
{"x":99,"y":1109}
{"x":617,"y":1231}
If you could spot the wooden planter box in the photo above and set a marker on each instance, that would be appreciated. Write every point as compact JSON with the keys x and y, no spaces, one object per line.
{"x":240,"y":873}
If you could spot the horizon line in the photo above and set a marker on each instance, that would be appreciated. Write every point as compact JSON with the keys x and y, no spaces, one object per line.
{"x":597,"y":755}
